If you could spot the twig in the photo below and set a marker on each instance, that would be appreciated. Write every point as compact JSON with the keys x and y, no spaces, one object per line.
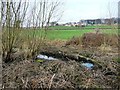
{"x":25,"y":82}
{"x":88,"y":82}
{"x":51,"y":81}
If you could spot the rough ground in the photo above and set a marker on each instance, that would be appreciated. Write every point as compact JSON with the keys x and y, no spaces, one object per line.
{"x":64,"y":73}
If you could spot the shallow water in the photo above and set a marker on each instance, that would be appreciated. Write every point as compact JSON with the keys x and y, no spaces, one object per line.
{"x":45,"y":57}
{"x":88,"y":65}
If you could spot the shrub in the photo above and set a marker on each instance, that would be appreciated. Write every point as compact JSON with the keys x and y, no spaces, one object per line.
{"x":92,"y":39}
{"x":98,"y":39}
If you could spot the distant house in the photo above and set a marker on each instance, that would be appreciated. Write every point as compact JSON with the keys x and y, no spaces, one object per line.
{"x":90,"y":22}
{"x":53,"y":24}
{"x":83,"y":23}
{"x":108,"y":21}
{"x":73,"y":24}
{"x":115,"y":20}
{"x":67,"y":24}
{"x":102,"y":21}
{"x":87,"y":22}
{"x":98,"y":21}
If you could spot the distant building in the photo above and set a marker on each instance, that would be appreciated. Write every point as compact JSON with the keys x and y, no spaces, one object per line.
{"x":73,"y":24}
{"x":87,"y":22}
{"x":53,"y":24}
{"x":108,"y":21}
{"x":83,"y":23}
{"x":98,"y":21}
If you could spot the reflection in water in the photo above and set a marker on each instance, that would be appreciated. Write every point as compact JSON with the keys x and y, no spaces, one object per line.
{"x":40,"y":56}
{"x":88,"y":65}
{"x":45,"y":57}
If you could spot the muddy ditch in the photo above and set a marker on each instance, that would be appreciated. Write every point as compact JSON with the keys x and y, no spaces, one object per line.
{"x":67,"y":67}
{"x":88,"y":58}
{"x":56,"y":54}
{"x":41,"y":58}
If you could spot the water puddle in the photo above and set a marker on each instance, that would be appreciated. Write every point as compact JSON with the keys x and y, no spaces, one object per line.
{"x":41,"y":58}
{"x":88,"y":65}
{"x":45,"y":57}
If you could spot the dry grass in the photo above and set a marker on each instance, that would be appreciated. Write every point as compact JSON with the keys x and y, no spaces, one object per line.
{"x":96,"y":40}
{"x":74,"y":41}
{"x":105,"y":48}
{"x":31,"y":46}
{"x":0,"y":42}
{"x":57,"y":43}
{"x":52,"y":74}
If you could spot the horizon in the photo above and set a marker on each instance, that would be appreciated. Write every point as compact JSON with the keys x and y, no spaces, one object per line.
{"x":81,"y":10}
{"x":87,"y":19}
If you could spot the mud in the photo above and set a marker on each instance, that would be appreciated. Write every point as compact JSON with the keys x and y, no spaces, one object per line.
{"x":67,"y":72}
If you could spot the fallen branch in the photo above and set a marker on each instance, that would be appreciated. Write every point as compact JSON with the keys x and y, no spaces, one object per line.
{"x":51,"y":81}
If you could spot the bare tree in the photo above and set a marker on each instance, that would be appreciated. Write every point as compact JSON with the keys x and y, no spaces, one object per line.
{"x":47,"y":10}
{"x":12,"y":18}
{"x":15,"y":15}
{"x":42,"y":12}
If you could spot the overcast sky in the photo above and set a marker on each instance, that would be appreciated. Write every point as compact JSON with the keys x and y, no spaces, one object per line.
{"x":75,"y":10}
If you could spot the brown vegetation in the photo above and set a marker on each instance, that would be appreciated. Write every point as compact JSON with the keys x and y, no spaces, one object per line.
{"x":96,"y":40}
{"x":61,"y":74}
{"x":74,"y":41}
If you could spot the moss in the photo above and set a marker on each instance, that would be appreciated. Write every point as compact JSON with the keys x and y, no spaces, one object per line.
{"x":118,"y":59}
{"x":39,"y":60}
{"x":118,"y":77}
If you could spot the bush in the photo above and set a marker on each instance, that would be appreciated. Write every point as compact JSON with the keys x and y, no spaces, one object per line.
{"x":92,"y":39}
{"x":98,"y":39}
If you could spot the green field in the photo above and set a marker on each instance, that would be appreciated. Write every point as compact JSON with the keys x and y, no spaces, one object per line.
{"x":56,"y":34}
{"x":66,"y":34}
{"x":76,"y":28}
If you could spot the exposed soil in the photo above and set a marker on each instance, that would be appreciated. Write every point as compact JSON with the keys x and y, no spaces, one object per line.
{"x":66,"y":72}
